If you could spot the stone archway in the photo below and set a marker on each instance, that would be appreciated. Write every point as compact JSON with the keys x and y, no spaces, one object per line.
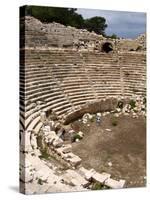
{"x":107,"y":47}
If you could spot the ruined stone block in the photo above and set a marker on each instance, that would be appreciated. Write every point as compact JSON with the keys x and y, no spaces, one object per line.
{"x":73,"y":159}
{"x":57,"y":142}
{"x":64,"y":149}
{"x":89,"y":174}
{"x":73,"y":178}
{"x":115,"y":184}
{"x":100,"y":178}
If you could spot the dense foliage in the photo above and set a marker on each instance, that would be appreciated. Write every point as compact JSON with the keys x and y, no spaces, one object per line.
{"x":66,"y":16}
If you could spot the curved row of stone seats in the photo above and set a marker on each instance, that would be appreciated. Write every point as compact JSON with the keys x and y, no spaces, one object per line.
{"x":54,"y":100}
{"x":132,"y":58}
{"x":61,"y":87}
{"x":99,"y":58}
{"x":52,"y":57}
{"x":134,"y":72}
{"x":105,"y":79}
{"x":74,"y":83}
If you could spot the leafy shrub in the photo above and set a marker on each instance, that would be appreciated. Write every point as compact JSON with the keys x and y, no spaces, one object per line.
{"x":139,"y":48}
{"x":40,"y":181}
{"x":44,"y":154}
{"x":114,"y":121}
{"x":132,"y":103}
{"x":144,"y":100}
{"x":97,"y":186}
{"x":76,"y":136}
{"x":92,"y":119}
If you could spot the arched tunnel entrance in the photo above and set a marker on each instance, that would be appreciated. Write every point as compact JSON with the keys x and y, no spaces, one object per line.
{"x":107,"y":47}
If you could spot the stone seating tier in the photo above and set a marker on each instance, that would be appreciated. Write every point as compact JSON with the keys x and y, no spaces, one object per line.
{"x":62,"y":80}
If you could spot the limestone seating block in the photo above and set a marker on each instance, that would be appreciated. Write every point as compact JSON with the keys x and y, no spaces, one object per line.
{"x":115,"y":184}
{"x":100,"y":178}
{"x":27,"y":171}
{"x":73,"y":178}
{"x":33,"y":141}
{"x":88,"y":175}
{"x":51,"y":138}
{"x":64,"y":149}
{"x":57,"y":142}
{"x":26,"y":176}
{"x":46,"y":129}
{"x":72,"y":158}
{"x":83,"y":171}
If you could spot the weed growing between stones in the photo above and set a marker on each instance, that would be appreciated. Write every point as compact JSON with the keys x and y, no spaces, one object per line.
{"x":132,"y":103}
{"x":76,"y":136}
{"x":98,"y":186}
{"x":44,"y":154}
{"x":114,"y":121}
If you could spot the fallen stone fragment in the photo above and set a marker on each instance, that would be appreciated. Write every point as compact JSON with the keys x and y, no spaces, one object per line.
{"x":73,"y":178}
{"x":107,"y":129}
{"x":77,"y":140}
{"x":83,"y":171}
{"x":58,"y":142}
{"x":73,"y":159}
{"x":100,"y":178}
{"x":109,"y":164}
{"x":115,"y":184}
{"x":89,"y":174}
{"x":64,"y":149}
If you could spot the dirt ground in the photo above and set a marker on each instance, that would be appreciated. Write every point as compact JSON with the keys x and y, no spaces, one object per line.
{"x":120,"y":152}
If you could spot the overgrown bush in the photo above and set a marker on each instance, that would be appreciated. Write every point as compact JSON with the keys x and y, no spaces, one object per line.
{"x":98,"y":186}
{"x":40,"y":181}
{"x":139,"y":48}
{"x":114,"y":121}
{"x":144,"y":100}
{"x":76,"y":136}
{"x":44,"y":154}
{"x":132,"y":103}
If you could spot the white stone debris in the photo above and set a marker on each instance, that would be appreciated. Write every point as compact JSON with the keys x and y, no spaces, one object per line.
{"x":115,"y":184}
{"x":66,"y":148}
{"x":86,"y":117}
{"x":43,"y":116}
{"x":110,"y":164}
{"x":100,"y":178}
{"x":99,"y":114}
{"x":89,"y":174}
{"x":73,"y":178}
{"x":72,"y":158}
{"x":107,"y":129}
{"x":51,"y":138}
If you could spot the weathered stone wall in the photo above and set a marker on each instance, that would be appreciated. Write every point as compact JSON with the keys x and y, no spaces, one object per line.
{"x":138,"y":44}
{"x":53,"y":34}
{"x":39,"y":35}
{"x":103,"y":105}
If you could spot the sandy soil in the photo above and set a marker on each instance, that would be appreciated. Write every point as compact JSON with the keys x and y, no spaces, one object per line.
{"x":120,"y":152}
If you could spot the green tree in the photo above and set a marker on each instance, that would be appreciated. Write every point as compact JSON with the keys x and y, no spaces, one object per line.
{"x":66,"y":16}
{"x":96,"y":24}
{"x":113,"y":36}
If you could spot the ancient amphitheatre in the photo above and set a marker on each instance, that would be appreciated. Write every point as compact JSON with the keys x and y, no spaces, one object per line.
{"x":68,"y":78}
